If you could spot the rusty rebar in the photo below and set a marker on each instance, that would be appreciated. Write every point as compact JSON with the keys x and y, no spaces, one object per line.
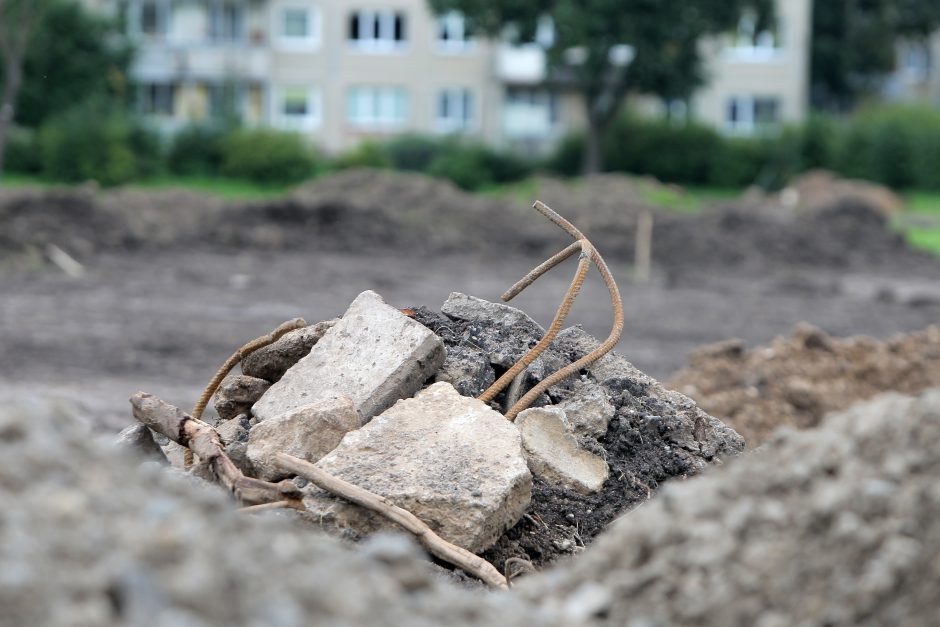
{"x":259,"y":342}
{"x":584,"y":264}
{"x":615,"y":300}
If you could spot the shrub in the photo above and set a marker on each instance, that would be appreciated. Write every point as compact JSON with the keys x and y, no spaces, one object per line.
{"x":91,"y":142}
{"x":568,"y":158}
{"x":414,"y":153}
{"x":896,"y":146}
{"x":365,"y":155}
{"x":670,"y":152}
{"x":473,"y":166}
{"x":21,"y":153}
{"x":267,"y":156}
{"x":197,"y":151}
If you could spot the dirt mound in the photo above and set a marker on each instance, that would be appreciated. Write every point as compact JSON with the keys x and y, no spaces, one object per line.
{"x":837,"y":526}
{"x":363,"y":209}
{"x":794,"y":382}
{"x":820,"y":189}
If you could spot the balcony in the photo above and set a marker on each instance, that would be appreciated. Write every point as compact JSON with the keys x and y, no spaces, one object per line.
{"x":521,"y":65}
{"x":202,"y":62}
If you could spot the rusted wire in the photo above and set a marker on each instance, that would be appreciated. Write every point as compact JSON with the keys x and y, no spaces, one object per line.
{"x":231,"y":362}
{"x":584,"y":264}
{"x":588,"y":250}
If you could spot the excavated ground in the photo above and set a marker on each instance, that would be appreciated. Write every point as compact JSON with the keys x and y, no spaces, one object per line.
{"x":175,"y":281}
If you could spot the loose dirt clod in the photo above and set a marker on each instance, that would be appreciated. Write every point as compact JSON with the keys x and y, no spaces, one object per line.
{"x":795,"y":381}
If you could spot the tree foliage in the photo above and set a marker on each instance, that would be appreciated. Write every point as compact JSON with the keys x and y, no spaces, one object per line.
{"x":75,"y":55}
{"x":853,"y":45}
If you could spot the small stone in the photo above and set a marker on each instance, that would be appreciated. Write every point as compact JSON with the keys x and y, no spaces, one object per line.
{"x":139,"y":439}
{"x":588,"y":409}
{"x":272,"y":361}
{"x":553,"y":454}
{"x":308,"y":432}
{"x":237,"y":394}
{"x":448,"y":459}
{"x":374,"y":354}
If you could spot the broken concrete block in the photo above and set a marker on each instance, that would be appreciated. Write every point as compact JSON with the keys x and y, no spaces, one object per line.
{"x":448,"y":459}
{"x":553,"y":454}
{"x":237,"y":394}
{"x":272,"y":361}
{"x":468,"y":369}
{"x":234,"y":430}
{"x":588,"y":409}
{"x":503,"y":332}
{"x":308,"y":432}
{"x":374,"y":354}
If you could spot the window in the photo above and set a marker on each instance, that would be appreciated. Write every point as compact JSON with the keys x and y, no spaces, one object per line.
{"x":152,"y":18}
{"x":298,"y":28}
{"x":377,"y":31}
{"x":754,"y":40}
{"x":298,"y":107}
{"x":530,"y":112}
{"x":749,"y":114}
{"x":452,"y":35}
{"x":377,"y":107}
{"x":226,"y":21}
{"x":454,"y":110}
{"x":156,"y":99}
{"x":915,"y":61}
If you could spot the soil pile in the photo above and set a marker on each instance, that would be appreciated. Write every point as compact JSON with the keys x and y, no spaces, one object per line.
{"x":836,"y":526}
{"x":840,"y":525}
{"x":795,"y":381}
{"x":364,"y":210}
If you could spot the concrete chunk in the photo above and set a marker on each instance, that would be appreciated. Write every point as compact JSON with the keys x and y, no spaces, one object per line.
{"x":309,"y":432}
{"x":588,"y":409}
{"x":503,"y":332}
{"x":450,"y":460}
{"x":374,"y":354}
{"x":237,"y":394}
{"x":272,"y":361}
{"x":553,"y":452}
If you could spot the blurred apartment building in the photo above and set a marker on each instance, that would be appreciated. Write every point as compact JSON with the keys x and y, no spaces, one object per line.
{"x":341,"y":71}
{"x":916,"y":78}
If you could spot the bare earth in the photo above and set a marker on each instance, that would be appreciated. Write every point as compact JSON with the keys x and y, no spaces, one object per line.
{"x":164,"y":322}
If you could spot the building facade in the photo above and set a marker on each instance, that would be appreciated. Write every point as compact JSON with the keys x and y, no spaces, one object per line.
{"x":342,"y":71}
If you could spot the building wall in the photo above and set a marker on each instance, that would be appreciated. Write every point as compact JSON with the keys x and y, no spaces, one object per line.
{"x":316,"y":82}
{"x":743,"y":72}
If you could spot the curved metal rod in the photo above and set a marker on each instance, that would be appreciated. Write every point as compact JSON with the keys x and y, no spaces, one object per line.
{"x":237,"y":356}
{"x":584,"y":264}
{"x":600,"y":351}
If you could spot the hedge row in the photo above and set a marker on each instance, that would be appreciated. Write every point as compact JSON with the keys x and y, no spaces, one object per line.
{"x":897,"y":146}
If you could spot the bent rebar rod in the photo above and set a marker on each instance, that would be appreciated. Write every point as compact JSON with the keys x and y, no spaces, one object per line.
{"x":588,"y":250}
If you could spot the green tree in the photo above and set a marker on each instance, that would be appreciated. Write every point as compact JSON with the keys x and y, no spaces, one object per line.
{"x":56,"y":54}
{"x":19,"y":20}
{"x":588,"y":50}
{"x":853,"y":45}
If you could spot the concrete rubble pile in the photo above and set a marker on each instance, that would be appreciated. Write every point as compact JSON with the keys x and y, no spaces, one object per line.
{"x":384,"y":399}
